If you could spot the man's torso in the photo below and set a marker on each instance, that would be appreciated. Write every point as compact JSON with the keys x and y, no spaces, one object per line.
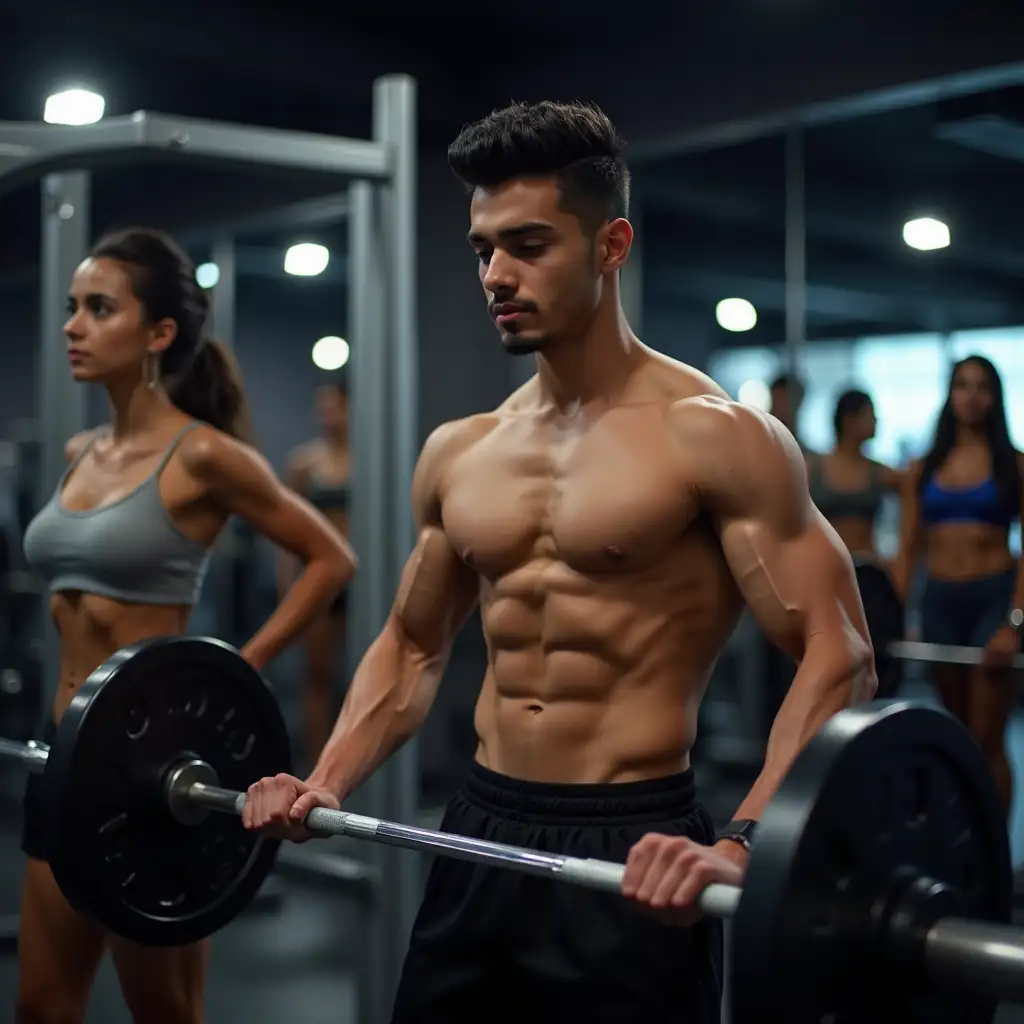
{"x":605,"y":597}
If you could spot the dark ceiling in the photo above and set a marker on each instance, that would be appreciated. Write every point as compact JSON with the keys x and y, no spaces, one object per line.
{"x":713,"y":223}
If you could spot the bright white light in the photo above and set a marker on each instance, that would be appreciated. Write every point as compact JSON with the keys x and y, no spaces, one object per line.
{"x":207,"y":275}
{"x":307,"y":259}
{"x":74,"y":106}
{"x":330,"y":353}
{"x":926,"y":233}
{"x":756,"y":394}
{"x":735,"y":315}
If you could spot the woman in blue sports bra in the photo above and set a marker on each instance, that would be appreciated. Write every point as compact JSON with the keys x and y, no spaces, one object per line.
{"x":958,"y":505}
{"x":123,"y":545}
{"x":320,"y":470}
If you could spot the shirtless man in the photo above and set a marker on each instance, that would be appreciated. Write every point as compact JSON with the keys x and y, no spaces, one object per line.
{"x":611,"y":518}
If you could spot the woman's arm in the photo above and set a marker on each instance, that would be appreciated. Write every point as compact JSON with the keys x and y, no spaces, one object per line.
{"x":890,"y":479}
{"x":294,"y":477}
{"x":1018,"y":592}
{"x":1004,"y":644}
{"x":241,"y":482}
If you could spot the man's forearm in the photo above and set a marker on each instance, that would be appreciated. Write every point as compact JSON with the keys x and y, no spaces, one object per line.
{"x":835,"y":672}
{"x":387,"y":702}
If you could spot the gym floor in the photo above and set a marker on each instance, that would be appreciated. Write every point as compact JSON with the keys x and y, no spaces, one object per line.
{"x":290,"y":961}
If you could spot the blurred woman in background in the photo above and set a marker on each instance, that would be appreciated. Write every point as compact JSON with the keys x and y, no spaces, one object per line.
{"x":320,"y":470}
{"x":958,"y":505}
{"x":845,"y":484}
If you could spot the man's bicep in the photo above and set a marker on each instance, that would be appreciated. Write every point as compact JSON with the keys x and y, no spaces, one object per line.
{"x":437,"y":591}
{"x":797,"y":584}
{"x":790,"y":565}
{"x":436,"y":595}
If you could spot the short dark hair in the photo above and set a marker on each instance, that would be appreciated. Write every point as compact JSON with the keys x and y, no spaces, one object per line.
{"x":199,"y":374}
{"x":787,"y":380}
{"x":849,"y":404}
{"x":574,"y":142}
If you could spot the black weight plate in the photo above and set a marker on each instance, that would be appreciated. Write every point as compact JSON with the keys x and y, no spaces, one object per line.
{"x":879,"y":789}
{"x":885,"y":616}
{"x":115,"y":850}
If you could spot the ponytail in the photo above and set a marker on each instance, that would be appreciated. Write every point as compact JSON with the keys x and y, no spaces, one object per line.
{"x":210,"y":389}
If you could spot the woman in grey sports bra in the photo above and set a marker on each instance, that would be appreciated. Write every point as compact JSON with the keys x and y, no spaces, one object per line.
{"x":320,"y":470}
{"x":845,"y":484}
{"x":123,"y":545}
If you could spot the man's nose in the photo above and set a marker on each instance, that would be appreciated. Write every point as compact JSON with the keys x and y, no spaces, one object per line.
{"x":500,"y":276}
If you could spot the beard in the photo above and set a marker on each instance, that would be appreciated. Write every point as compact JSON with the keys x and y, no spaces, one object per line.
{"x":517,"y":346}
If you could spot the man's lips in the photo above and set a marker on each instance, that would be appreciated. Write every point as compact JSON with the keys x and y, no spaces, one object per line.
{"x":505,"y":312}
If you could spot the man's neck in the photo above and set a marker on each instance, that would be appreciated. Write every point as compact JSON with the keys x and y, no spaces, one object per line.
{"x":591,"y":367}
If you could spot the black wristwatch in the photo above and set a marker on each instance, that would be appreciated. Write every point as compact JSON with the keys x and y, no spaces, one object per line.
{"x":739,"y":831}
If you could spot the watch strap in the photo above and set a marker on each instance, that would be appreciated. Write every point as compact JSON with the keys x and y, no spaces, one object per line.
{"x":739,"y":830}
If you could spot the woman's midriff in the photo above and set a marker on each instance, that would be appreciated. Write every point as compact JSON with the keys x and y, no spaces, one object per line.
{"x":93,"y":628}
{"x":857,"y":533}
{"x":964,"y":551}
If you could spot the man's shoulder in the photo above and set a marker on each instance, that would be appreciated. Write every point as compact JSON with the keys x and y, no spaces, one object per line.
{"x":453,"y":437}
{"x":712,"y":414}
{"x":734,"y":436}
{"x":443,"y":445}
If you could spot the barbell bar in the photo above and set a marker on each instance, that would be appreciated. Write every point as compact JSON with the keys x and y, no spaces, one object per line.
{"x":941,"y":654}
{"x":883,"y":855}
{"x":185,"y":792}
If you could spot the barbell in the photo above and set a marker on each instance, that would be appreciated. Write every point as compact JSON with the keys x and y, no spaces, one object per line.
{"x":885,"y":616}
{"x":879,"y":887}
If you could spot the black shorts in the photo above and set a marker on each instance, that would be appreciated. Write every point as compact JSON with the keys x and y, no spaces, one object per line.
{"x":33,"y":828}
{"x":492,"y":945}
{"x":966,"y":612}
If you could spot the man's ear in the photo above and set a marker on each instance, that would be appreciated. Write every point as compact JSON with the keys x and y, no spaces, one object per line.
{"x":614,"y":244}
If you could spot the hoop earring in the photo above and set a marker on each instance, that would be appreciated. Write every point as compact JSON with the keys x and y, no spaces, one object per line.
{"x":152,"y":372}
